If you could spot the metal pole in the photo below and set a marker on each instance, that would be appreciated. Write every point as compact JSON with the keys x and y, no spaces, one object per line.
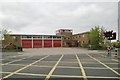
{"x":118,"y":28}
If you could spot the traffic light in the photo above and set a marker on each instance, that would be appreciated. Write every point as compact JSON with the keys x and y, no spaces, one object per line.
{"x":113,"y":36}
{"x":108,"y":33}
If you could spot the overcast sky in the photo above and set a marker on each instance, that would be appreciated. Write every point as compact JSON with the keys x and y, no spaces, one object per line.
{"x":47,"y":17}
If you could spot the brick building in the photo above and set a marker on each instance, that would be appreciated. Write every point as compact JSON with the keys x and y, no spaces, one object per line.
{"x":81,"y":38}
{"x":67,"y":33}
{"x":36,"y":41}
{"x":73,"y":40}
{"x":63,"y":38}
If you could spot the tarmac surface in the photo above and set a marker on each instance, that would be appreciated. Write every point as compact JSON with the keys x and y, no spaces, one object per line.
{"x":78,"y":65}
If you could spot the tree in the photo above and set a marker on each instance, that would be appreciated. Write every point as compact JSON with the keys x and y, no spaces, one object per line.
{"x":4,"y":37}
{"x":116,"y":44}
{"x":3,"y":32}
{"x":96,"y":37}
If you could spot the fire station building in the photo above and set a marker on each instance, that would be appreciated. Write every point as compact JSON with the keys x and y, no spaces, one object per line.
{"x":37,"y":41}
{"x":63,"y":38}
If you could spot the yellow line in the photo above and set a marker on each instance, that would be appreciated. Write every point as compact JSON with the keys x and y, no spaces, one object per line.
{"x":89,"y":62}
{"x":104,"y":65}
{"x":17,"y":64}
{"x":13,"y":56}
{"x":67,"y":76}
{"x":94,"y":68}
{"x":15,"y":61}
{"x":29,"y":74}
{"x":5,"y":72}
{"x":115,"y":60}
{"x":52,"y":70}
{"x":67,"y":67}
{"x":32,"y":74}
{"x":106,"y":56}
{"x":49,"y":61}
{"x":24,"y":67}
{"x":111,"y":63}
{"x":102,"y":77}
{"x":70,"y":76}
{"x":81,"y":67}
{"x":67,"y":62}
{"x":32,"y":65}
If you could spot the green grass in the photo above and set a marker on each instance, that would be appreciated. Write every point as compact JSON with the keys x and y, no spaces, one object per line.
{"x":9,"y":50}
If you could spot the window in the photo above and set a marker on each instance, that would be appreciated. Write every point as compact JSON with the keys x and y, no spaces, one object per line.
{"x":37,"y":37}
{"x":24,"y":36}
{"x":48,"y":37}
{"x":29,"y":36}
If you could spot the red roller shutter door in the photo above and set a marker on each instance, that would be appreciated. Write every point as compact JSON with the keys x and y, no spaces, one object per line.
{"x":37,"y":43}
{"x":47,"y":43}
{"x":57,"y":43}
{"x":26,"y":43}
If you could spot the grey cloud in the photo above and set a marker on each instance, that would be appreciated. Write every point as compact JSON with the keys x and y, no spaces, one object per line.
{"x":45,"y":18}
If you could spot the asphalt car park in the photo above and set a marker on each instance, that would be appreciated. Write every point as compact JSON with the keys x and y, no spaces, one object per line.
{"x":89,"y":66}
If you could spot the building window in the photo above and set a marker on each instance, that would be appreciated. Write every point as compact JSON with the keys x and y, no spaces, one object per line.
{"x":29,"y":36}
{"x":24,"y":36}
{"x":37,"y":37}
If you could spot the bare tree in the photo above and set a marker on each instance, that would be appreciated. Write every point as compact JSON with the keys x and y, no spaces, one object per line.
{"x":4,"y":31}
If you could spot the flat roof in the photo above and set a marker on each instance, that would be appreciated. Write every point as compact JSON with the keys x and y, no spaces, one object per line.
{"x":81,"y":33}
{"x":32,"y":35}
{"x":65,"y":29}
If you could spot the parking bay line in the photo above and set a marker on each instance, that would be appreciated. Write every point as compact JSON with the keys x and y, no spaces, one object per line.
{"x":23,"y":68}
{"x":28,"y":74}
{"x":61,"y":66}
{"x":67,"y":76}
{"x":104,"y":65}
{"x":106,"y":56}
{"x":13,"y":56}
{"x":103,"y":77}
{"x":70,"y":76}
{"x":16,"y":60}
{"x":115,"y":60}
{"x":32,"y":65}
{"x":54,"y":67}
{"x":81,"y":67}
{"x":67,"y":67}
